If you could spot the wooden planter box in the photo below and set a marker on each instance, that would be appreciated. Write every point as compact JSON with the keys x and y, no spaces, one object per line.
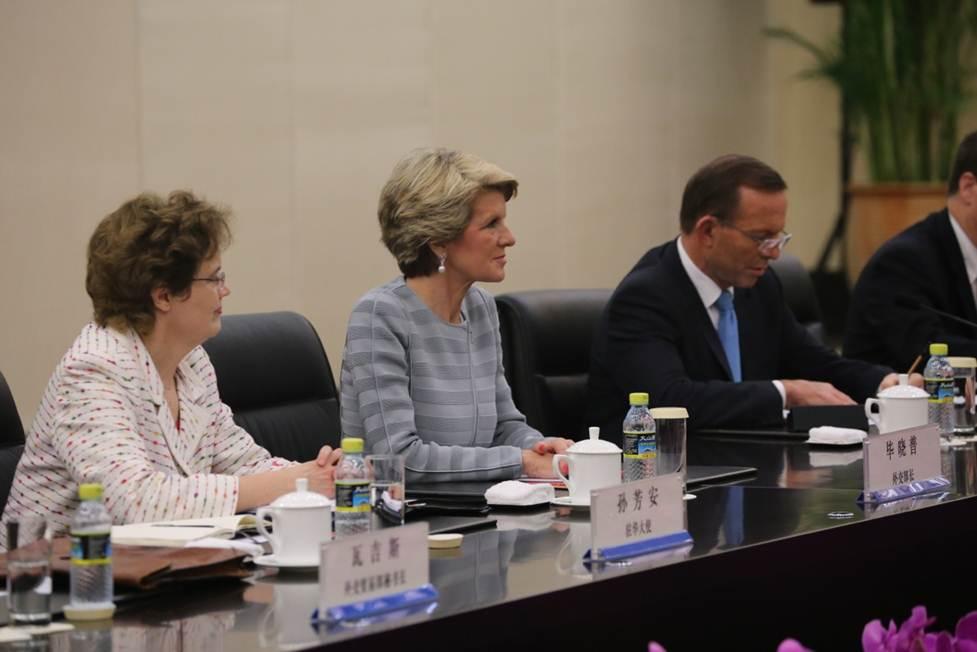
{"x":878,"y":212}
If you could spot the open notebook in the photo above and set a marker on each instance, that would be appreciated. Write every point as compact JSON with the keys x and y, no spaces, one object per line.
{"x":179,"y":533}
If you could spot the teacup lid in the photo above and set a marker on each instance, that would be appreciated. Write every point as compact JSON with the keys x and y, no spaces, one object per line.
{"x":594,"y":445}
{"x":301,"y":497}
{"x":903,"y":390}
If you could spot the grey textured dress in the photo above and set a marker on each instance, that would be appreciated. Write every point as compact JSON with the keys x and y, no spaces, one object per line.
{"x":434,"y":392}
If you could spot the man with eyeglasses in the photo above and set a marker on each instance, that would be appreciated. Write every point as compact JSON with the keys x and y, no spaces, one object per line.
{"x":928,"y":269}
{"x":700,"y":322}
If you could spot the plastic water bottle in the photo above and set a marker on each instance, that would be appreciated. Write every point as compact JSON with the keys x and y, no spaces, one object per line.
{"x":640,"y":440}
{"x":352,"y":490}
{"x":938,"y":376}
{"x":91,"y":558}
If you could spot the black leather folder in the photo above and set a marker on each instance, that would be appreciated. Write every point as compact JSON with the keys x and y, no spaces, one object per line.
{"x":803,"y":418}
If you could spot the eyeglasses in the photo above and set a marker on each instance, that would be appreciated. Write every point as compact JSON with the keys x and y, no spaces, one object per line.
{"x":765,"y":245}
{"x":219,"y":279}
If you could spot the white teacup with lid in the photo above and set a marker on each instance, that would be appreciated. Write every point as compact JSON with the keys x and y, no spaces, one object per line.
{"x":592,"y":464}
{"x":301,"y":520}
{"x":900,"y":406}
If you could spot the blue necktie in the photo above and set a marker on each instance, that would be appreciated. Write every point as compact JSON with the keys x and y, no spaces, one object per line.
{"x":729,"y":334}
{"x":733,"y":517}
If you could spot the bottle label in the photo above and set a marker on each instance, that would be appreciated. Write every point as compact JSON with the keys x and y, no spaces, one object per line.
{"x":640,"y":445}
{"x":91,"y":549}
{"x":352,"y":497}
{"x":939,"y":389}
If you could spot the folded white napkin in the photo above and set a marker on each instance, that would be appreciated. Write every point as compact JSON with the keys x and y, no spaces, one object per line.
{"x":836,"y":436}
{"x":513,"y":492}
{"x":244,"y":545}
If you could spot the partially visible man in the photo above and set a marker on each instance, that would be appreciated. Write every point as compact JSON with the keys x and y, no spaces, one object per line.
{"x":701,"y":322}
{"x":932,"y":264}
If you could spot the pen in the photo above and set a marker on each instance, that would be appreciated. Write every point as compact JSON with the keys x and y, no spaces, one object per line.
{"x":177,"y":525}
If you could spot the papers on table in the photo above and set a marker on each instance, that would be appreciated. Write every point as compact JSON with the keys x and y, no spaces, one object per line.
{"x":179,"y":533}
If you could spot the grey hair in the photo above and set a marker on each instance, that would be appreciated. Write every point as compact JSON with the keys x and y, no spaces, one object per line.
{"x":428,"y":200}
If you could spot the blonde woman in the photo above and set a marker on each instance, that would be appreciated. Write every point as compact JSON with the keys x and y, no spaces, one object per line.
{"x":422,"y":371}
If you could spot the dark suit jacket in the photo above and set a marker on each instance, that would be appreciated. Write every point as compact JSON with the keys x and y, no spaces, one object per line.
{"x":923,"y":265}
{"x":655,"y":335}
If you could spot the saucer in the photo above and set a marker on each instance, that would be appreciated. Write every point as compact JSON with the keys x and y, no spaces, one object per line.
{"x":271,"y":561}
{"x":572,"y":503}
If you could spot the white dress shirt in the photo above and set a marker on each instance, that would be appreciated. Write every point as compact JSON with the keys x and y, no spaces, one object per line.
{"x":969,"y":252}
{"x":709,"y":292}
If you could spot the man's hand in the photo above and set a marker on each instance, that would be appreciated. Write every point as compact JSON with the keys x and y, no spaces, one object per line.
{"x":916,"y":380}
{"x":809,"y":392}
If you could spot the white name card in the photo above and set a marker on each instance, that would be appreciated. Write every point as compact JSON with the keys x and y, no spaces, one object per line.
{"x":372,"y":565}
{"x":901,"y":457}
{"x":639,"y":510}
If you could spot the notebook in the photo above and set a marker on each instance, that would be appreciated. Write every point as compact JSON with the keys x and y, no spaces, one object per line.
{"x":179,"y":533}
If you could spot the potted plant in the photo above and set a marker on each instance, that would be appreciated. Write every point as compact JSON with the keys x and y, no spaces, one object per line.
{"x":905,"y":71}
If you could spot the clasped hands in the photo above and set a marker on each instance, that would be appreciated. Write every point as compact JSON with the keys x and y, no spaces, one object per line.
{"x":537,"y":462}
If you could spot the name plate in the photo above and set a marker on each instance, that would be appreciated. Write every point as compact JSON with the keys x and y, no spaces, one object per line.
{"x":627,"y":517}
{"x":363,"y":567}
{"x":902,"y":463}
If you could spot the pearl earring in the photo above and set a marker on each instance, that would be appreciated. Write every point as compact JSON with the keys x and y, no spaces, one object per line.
{"x":441,"y":260}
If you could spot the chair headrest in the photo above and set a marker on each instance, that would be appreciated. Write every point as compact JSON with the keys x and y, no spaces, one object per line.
{"x":11,"y":427}
{"x":281,"y":349}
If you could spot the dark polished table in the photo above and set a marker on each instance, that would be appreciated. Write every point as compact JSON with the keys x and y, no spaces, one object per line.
{"x":787,"y":552}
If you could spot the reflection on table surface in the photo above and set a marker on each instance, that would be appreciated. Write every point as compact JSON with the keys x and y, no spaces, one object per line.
{"x":798,"y":465}
{"x":797,"y":490}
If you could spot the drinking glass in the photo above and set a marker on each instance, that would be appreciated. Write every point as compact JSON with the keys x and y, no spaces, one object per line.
{"x":386,"y":489}
{"x":670,"y":426}
{"x":964,"y":417}
{"x":29,"y":571}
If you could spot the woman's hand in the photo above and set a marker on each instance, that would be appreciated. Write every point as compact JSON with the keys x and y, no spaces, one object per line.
{"x":321,"y":471}
{"x":552,"y":445}
{"x":537,"y":465}
{"x":262,"y":488}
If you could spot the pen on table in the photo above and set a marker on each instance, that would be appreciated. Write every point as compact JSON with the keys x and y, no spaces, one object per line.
{"x":178,"y":525}
{"x":919,"y":358}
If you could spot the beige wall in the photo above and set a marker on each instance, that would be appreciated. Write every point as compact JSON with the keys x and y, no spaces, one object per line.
{"x":294,"y":111}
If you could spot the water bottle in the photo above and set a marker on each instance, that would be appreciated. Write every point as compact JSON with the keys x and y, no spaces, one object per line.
{"x":91,"y":558}
{"x":938,"y":376}
{"x":352,"y":490}
{"x":640,"y":442}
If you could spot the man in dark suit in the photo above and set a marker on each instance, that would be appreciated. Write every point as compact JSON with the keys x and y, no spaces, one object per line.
{"x":932,"y":263}
{"x":700,"y":321}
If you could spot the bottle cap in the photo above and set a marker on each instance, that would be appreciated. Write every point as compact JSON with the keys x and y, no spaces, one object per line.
{"x":90,"y":491}
{"x":352,"y":445}
{"x":938,"y":349}
{"x":638,"y":398}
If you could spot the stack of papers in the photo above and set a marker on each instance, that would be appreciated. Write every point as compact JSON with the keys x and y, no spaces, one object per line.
{"x":180,"y":533}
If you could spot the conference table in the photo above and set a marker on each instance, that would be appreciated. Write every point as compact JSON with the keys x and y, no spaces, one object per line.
{"x":785,"y":552}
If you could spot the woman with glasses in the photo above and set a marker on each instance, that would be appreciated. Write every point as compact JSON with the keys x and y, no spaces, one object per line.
{"x":422,"y":372}
{"x":133,"y":404}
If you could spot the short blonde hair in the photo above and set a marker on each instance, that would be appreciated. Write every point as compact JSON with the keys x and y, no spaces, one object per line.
{"x":428,"y":200}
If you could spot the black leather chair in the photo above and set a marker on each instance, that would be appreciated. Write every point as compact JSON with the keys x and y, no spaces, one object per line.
{"x":799,"y":293}
{"x":546,"y":338}
{"x":11,"y":427}
{"x":273,"y":373}
{"x":9,"y":457}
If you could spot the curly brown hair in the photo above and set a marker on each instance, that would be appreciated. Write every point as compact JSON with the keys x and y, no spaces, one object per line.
{"x":150,"y":242}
